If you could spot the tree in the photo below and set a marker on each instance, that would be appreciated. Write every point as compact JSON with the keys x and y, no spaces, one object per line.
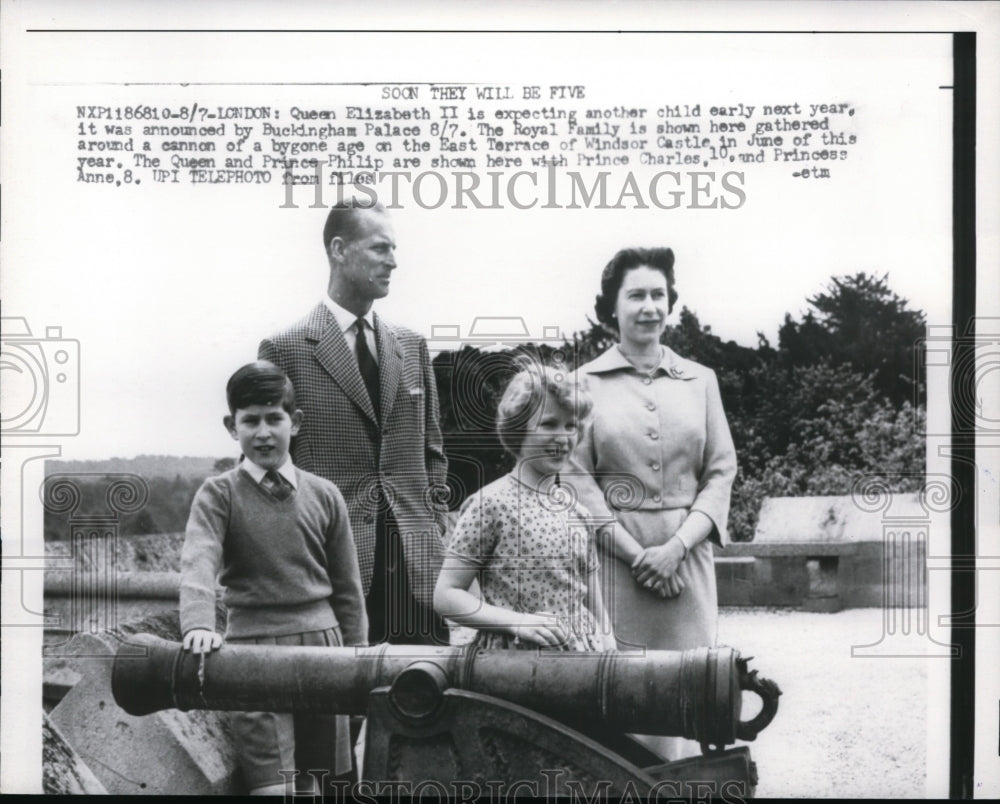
{"x":833,"y":403}
{"x":861,"y":321}
{"x":816,"y":430}
{"x":223,"y":465}
{"x":584,"y":346}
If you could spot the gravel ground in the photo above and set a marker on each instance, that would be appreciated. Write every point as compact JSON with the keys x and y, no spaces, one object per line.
{"x":846,"y":727}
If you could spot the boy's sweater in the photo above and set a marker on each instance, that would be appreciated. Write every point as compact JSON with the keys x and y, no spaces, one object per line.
{"x":288,"y":566}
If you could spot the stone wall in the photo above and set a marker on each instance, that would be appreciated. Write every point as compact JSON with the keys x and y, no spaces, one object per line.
{"x":94,"y":746}
{"x":864,"y":553}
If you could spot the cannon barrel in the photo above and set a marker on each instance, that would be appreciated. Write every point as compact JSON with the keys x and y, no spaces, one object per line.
{"x":693,"y":693}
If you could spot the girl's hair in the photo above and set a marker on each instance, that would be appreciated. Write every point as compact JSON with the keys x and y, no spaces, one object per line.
{"x":528,"y":391}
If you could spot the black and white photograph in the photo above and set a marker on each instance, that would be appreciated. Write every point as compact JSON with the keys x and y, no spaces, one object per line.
{"x":433,"y":400}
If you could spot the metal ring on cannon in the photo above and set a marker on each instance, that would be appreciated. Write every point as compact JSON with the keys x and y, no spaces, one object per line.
{"x":416,"y":693}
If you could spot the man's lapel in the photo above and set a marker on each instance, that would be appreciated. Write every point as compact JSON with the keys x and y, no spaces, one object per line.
{"x":390,"y":365}
{"x":336,"y":359}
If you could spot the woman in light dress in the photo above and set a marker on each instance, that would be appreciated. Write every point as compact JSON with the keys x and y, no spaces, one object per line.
{"x":655,"y":465}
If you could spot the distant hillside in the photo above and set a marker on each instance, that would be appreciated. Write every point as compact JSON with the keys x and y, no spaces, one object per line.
{"x":146,"y":466}
{"x":171,"y":482}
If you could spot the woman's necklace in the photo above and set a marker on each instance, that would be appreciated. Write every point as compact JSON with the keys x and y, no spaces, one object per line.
{"x":643,"y":362}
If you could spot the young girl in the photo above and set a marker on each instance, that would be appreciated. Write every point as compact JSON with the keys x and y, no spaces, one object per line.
{"x":524,"y":537}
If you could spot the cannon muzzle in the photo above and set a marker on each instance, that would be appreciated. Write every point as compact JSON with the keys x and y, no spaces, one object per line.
{"x":695,"y":694}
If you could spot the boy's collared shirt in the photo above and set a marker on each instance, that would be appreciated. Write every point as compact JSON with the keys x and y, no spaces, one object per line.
{"x":345,"y":320}
{"x":286,"y":470}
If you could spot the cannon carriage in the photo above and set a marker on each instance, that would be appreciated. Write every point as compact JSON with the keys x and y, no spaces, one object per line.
{"x":465,"y":722}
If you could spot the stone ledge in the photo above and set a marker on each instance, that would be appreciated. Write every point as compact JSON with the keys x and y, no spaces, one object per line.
{"x":63,"y":771}
{"x":827,"y":553}
{"x":166,"y":752}
{"x":767,"y":549}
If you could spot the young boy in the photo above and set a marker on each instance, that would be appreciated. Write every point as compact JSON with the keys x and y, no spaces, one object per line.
{"x":283,"y":541}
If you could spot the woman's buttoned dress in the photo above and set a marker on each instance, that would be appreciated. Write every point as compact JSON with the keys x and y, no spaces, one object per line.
{"x":657,"y":447}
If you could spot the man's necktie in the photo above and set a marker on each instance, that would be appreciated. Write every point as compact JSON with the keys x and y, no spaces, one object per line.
{"x":276,"y":485}
{"x":367,"y":364}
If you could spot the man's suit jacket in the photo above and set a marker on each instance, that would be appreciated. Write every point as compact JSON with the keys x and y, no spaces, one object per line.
{"x":340,"y":438}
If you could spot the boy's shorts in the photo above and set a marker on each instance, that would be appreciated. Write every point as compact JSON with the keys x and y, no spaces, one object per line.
{"x":270,"y":742}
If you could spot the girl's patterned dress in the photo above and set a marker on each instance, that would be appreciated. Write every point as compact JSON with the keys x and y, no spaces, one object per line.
{"x":534,"y":553}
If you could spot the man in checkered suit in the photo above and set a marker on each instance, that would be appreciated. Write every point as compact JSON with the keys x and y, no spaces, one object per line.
{"x":371,"y":425}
